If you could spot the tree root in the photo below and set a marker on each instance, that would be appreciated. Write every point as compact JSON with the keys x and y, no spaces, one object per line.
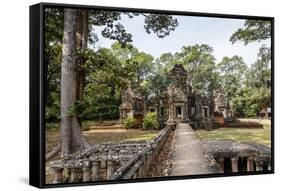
{"x":52,"y":153}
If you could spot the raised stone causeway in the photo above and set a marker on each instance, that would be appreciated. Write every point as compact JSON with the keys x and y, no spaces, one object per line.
{"x":188,"y":156}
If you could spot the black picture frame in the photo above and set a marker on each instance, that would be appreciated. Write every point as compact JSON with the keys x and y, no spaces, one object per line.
{"x":37,"y":87}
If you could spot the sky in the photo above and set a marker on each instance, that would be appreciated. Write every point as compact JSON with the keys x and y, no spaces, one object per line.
{"x":215,"y":32}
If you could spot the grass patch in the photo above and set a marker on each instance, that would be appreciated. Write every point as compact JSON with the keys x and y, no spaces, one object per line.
{"x":261,"y":136}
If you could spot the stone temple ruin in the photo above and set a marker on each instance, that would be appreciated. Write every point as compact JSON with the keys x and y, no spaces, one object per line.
{"x":177,"y":104}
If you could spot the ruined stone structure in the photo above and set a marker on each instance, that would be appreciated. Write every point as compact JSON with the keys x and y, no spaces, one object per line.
{"x":223,"y":107}
{"x":176,"y":104}
{"x":132,"y":105}
{"x":232,"y":156}
{"x":110,"y":161}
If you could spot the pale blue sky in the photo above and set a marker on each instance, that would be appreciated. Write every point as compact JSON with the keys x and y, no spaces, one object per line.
{"x":191,"y":30}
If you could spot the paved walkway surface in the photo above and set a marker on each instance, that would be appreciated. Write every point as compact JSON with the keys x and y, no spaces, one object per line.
{"x":188,"y":157}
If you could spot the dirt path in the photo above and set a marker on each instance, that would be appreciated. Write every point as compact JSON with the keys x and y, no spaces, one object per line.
{"x":188,"y":157}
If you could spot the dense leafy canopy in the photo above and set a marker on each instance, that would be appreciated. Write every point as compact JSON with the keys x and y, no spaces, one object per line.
{"x":107,"y":71}
{"x":255,"y":94}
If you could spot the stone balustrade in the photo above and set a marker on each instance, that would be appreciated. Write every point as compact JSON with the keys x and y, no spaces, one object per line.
{"x":232,"y":156}
{"x":139,"y":166}
{"x":110,"y":161}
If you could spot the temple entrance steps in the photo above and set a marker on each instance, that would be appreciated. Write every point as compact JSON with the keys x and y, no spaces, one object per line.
{"x":188,"y":155}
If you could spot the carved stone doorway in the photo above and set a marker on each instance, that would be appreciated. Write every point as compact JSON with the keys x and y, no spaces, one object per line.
{"x":179,"y":112}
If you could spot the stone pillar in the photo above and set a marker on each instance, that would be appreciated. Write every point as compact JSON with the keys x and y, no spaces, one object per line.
{"x":234,"y":164}
{"x":171,"y":114}
{"x":221,"y":164}
{"x":185,"y":110}
{"x":144,"y":164}
{"x":171,"y":105}
{"x":149,"y":160}
{"x":57,"y":175}
{"x":109,"y":169}
{"x":269,"y":166}
{"x":73,"y":175}
{"x":67,"y":174}
{"x":224,"y":113}
{"x":95,"y":170}
{"x":86,"y":171}
{"x":250,"y":164}
{"x":104,"y":156}
{"x":140,"y":172}
{"x":135,"y":175}
{"x":259,"y":165}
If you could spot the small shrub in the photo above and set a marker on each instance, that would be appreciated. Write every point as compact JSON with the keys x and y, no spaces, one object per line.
{"x":150,"y":121}
{"x":129,"y":122}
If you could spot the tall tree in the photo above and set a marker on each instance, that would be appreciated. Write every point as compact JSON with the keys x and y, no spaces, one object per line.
{"x":259,"y":83}
{"x":256,"y":94}
{"x":70,"y":133}
{"x":233,"y":72}
{"x":134,"y":60}
{"x":200,"y":65}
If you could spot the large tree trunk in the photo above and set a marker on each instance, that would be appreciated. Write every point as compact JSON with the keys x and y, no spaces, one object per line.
{"x":81,"y":44}
{"x":82,"y":41}
{"x":70,"y":132}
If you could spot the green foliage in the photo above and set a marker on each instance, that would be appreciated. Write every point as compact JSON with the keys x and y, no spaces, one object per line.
{"x":232,"y":72}
{"x":254,"y":30}
{"x":52,"y":111}
{"x":254,"y":93}
{"x":129,"y":122}
{"x":161,"y":25}
{"x":150,"y":121}
{"x":199,"y":64}
{"x":104,"y":68}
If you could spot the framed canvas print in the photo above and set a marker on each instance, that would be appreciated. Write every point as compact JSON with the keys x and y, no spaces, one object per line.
{"x":128,"y":95}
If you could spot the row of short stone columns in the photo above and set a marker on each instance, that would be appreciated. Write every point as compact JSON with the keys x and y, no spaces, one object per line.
{"x":90,"y":168}
{"x":90,"y":171}
{"x":142,"y":166}
{"x":250,"y":164}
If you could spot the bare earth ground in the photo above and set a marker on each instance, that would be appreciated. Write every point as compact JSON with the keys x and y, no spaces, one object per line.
{"x":102,"y":134}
